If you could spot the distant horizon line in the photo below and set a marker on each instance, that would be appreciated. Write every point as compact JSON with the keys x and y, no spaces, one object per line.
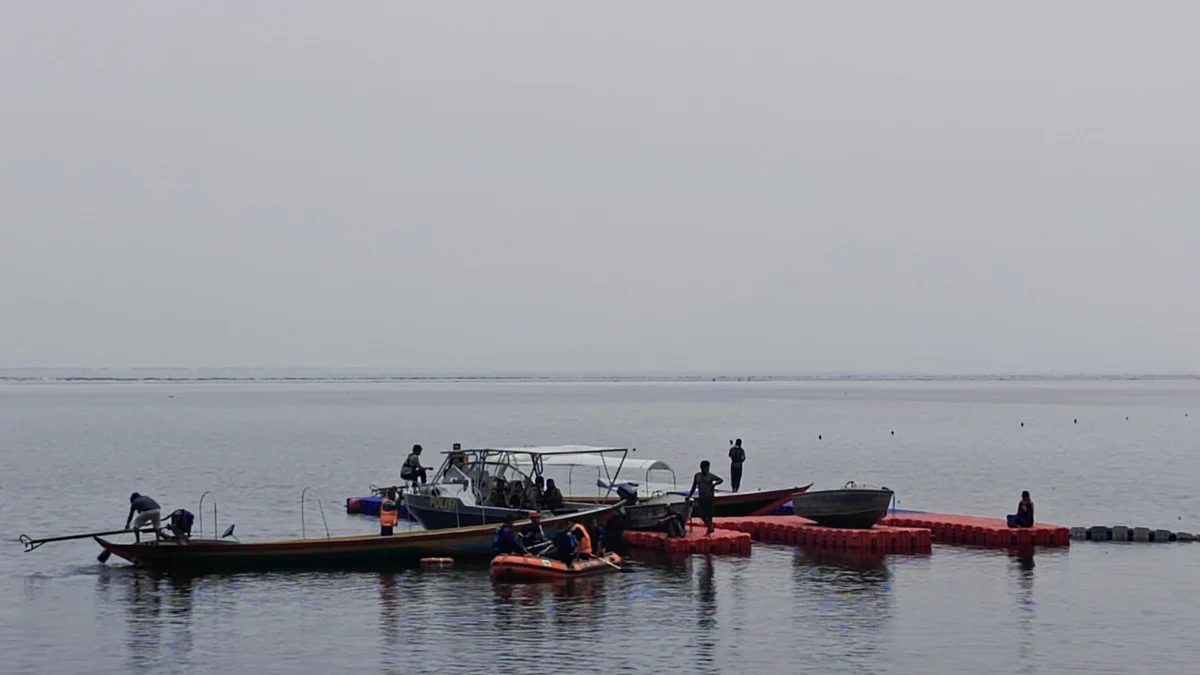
{"x":396,"y":373}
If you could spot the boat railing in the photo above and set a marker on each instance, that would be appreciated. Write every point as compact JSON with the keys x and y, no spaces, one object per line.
{"x":303,"y":531}
{"x":200,"y":514}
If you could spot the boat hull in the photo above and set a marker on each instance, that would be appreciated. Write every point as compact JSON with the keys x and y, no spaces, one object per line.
{"x":365,"y":552}
{"x":851,"y":508}
{"x":757,"y":503}
{"x":532,"y":568}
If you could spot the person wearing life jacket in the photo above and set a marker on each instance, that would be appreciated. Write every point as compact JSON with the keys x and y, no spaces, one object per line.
{"x":412,"y":470}
{"x":1024,"y":514}
{"x":505,"y":542}
{"x":389,"y":514}
{"x":583,"y":540}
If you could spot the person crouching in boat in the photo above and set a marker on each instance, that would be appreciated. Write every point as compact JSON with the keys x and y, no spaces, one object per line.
{"x":533,"y":536}
{"x":389,"y":514}
{"x":505,"y":542}
{"x":563,"y":547}
{"x":148,"y":512}
{"x":412,"y":469}
{"x":1024,"y":514}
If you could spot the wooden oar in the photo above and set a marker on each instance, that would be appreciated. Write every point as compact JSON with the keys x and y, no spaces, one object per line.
{"x":31,"y":544}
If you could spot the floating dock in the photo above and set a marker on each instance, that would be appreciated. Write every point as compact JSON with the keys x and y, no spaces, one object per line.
{"x":793,"y":530}
{"x":1121,"y":533}
{"x":722,"y":541}
{"x":988,"y":532}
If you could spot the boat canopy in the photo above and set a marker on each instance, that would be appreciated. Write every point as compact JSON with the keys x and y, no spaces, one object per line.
{"x":541,"y":450}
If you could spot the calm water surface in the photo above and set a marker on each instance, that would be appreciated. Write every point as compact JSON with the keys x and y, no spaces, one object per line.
{"x":71,"y":453}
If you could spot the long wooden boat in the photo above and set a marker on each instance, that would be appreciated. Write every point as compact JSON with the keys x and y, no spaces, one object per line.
{"x":851,"y":507}
{"x":360,"y":552}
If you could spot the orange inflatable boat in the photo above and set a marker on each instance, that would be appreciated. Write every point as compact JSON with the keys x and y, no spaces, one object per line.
{"x":533,"y":568}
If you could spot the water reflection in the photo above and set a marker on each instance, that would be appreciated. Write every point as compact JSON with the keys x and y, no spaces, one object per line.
{"x":158,"y":614}
{"x":389,"y":610}
{"x":706,"y":616}
{"x":845,"y":597}
{"x":1021,"y":566}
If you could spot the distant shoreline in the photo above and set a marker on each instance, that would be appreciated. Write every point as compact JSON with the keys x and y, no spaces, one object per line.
{"x":365,"y":375}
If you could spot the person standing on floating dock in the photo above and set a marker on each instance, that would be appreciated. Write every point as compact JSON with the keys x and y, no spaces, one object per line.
{"x":148,"y":511}
{"x":705,"y":484}
{"x":737,"y":457}
{"x":1024,"y":515}
{"x":389,"y":514}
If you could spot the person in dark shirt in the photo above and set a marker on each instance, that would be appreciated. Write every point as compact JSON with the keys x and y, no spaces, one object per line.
{"x":563,"y":549}
{"x":705,"y":484}
{"x":505,"y":542}
{"x":553,"y":499}
{"x":1024,"y":514}
{"x":737,"y":457}
{"x":532,"y":535}
{"x":147,"y":511}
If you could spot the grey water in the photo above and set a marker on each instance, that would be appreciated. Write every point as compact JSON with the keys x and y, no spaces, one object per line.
{"x":1091,"y":452}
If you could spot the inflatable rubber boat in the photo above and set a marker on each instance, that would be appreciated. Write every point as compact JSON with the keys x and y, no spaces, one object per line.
{"x":533,"y":568}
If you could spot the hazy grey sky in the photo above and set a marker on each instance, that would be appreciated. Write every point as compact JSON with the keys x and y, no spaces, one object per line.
{"x":788,"y":186}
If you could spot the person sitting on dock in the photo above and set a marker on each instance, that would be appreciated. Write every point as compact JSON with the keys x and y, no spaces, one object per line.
{"x":674,"y":522}
{"x":705,"y":483}
{"x":412,"y":469}
{"x":389,"y":514}
{"x":1024,"y":515}
{"x":505,"y":542}
{"x":532,"y":535}
{"x":147,"y":511}
{"x":554,"y":497}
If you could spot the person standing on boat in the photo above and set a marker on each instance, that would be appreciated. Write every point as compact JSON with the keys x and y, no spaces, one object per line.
{"x":737,"y":457}
{"x":389,"y":514}
{"x":705,"y":483}
{"x":412,"y":469}
{"x":1024,"y":515}
{"x":147,"y":511}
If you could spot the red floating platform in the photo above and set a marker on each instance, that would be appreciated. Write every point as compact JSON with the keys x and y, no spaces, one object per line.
{"x":721,"y":541}
{"x":990,"y":532}
{"x":793,"y":530}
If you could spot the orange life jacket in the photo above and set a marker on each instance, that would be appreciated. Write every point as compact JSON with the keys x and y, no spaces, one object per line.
{"x":389,"y":515}
{"x":583,"y":540}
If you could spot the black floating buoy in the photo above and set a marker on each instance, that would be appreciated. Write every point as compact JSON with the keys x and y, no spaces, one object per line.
{"x":818,"y":437}
{"x":1022,"y":424}
{"x":1127,"y":418}
{"x":1076,"y":421}
{"x":893,"y":433}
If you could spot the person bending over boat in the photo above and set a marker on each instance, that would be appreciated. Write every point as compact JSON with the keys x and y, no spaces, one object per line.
{"x":554,"y":497}
{"x":505,"y":542}
{"x":705,"y":484}
{"x":389,"y":514}
{"x":412,"y":469}
{"x":737,"y":457}
{"x":674,"y":522}
{"x":147,"y":511}
{"x":532,"y":535}
{"x":1024,"y":514}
